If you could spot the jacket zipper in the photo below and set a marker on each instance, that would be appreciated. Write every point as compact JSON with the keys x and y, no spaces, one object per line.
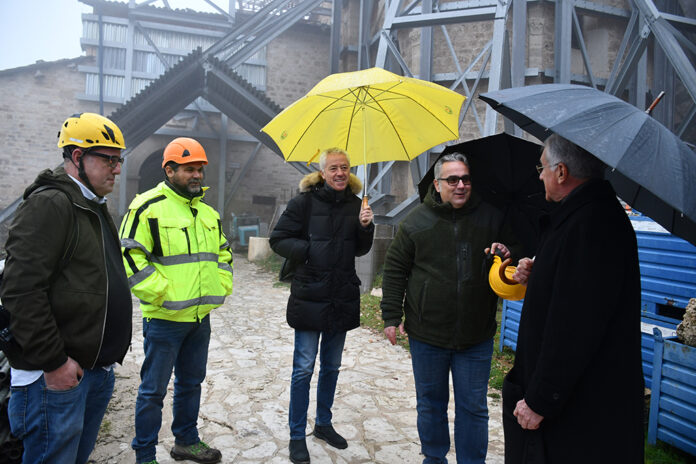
{"x":457,"y":257}
{"x":106,"y":302}
{"x":459,"y":276}
{"x":188,"y":241}
{"x":421,"y":307}
{"x":194,"y":212}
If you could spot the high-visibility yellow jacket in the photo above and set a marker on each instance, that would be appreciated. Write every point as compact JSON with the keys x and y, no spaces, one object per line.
{"x":178,"y":261}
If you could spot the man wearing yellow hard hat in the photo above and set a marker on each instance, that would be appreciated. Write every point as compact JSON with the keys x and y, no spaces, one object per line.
{"x":436,"y":289}
{"x":179,"y":265}
{"x":66,"y":290}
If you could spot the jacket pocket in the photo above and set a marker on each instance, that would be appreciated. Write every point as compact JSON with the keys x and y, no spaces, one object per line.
{"x":172,"y":236}
{"x":213,"y":234}
{"x":346,"y":286}
{"x":422,"y":301}
{"x":311,"y":284}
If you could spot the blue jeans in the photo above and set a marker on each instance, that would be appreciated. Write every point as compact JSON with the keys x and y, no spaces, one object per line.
{"x":470,"y":371}
{"x":60,"y":426}
{"x":178,"y":346}
{"x":306,"y":347}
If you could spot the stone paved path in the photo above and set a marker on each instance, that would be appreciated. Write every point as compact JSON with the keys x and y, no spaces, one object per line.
{"x":246,"y":392}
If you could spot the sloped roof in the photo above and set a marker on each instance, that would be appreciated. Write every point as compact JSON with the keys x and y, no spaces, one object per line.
{"x":41,"y":64}
{"x":190,"y":78}
{"x":160,"y":101}
{"x":121,"y":9}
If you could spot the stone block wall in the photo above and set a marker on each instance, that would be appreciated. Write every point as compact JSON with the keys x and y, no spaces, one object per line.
{"x":34,"y":102}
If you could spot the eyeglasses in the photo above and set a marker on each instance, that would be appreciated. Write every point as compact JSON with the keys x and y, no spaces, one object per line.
{"x":112,"y":161}
{"x":453,"y":181}
{"x":540,"y":167}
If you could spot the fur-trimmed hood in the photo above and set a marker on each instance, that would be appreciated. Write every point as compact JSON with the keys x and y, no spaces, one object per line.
{"x":314,"y":179}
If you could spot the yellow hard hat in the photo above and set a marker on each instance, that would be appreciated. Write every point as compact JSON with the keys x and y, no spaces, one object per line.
{"x":500,"y":282}
{"x":88,"y":130}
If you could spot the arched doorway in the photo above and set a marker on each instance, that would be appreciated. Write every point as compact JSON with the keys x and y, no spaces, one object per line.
{"x":150,"y":173}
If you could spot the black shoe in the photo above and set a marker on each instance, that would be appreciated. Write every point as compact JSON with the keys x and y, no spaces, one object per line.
{"x":199,"y":452}
{"x":298,"y":451}
{"x":330,"y":436}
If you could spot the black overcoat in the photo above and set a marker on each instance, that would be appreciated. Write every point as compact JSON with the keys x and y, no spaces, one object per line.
{"x":578,"y":358}
{"x":325,"y":291}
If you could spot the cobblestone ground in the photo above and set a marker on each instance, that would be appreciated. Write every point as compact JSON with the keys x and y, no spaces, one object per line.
{"x":246,"y":393}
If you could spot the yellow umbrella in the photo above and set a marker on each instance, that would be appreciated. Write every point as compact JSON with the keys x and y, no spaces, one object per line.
{"x":372,"y":114}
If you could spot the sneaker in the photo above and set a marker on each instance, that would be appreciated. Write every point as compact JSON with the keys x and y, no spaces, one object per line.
{"x":149,"y":462}
{"x":330,"y":436}
{"x":298,"y":451}
{"x":199,"y":452}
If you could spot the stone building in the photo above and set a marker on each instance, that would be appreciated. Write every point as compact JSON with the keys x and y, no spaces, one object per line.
{"x":471,"y":46}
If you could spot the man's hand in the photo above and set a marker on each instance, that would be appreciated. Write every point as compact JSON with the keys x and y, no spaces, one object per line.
{"x":523,"y":270}
{"x":528,"y":419}
{"x":390,"y":332}
{"x":498,"y":246}
{"x":65,"y":377}
{"x":366,"y":216}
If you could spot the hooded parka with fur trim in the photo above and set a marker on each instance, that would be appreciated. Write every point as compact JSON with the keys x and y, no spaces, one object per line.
{"x":325,"y":291}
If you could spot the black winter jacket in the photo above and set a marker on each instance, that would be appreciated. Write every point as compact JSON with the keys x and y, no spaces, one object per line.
{"x":325,"y":292}
{"x":437,"y":263}
{"x":56,"y":316}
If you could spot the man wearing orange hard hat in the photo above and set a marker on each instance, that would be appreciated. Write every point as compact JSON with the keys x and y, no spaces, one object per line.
{"x":179,"y":265}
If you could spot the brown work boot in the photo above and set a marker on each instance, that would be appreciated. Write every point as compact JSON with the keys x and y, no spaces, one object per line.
{"x":199,"y":452}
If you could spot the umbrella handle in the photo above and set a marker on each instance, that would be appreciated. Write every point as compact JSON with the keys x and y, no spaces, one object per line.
{"x":654,"y":103}
{"x":501,"y":273}
{"x":364,"y":202}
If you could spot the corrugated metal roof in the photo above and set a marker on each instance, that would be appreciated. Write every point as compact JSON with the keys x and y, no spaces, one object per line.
{"x":192,"y":77}
{"x":160,"y":101}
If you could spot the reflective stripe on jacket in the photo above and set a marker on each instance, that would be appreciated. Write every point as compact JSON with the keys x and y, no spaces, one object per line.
{"x":178,"y":261}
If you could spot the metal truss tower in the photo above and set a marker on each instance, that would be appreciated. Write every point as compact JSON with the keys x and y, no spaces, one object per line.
{"x":663,"y":37}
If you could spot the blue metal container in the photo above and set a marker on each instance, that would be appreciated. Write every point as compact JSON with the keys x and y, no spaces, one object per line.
{"x":673,"y":397}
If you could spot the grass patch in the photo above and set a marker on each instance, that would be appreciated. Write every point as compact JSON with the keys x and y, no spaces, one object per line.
{"x":371,"y":318}
{"x":663,"y":453}
{"x":272,"y":264}
{"x":377,"y":282}
{"x":105,"y":428}
{"x":502,"y":360}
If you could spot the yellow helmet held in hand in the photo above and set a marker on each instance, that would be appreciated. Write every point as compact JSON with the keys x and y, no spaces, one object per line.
{"x":88,"y":130}
{"x":500,"y":280}
{"x":183,"y":150}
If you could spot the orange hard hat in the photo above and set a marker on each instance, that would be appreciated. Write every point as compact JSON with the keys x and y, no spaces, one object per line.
{"x":184,"y":150}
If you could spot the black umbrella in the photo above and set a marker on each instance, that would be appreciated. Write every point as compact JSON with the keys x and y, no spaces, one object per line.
{"x":651,"y":168}
{"x":503,"y":172}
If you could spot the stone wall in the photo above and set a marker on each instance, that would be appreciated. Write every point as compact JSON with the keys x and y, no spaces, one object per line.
{"x":34,"y":102}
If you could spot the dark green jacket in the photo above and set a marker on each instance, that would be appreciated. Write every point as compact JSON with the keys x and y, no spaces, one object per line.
{"x":437,"y":262}
{"x":56,"y":316}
